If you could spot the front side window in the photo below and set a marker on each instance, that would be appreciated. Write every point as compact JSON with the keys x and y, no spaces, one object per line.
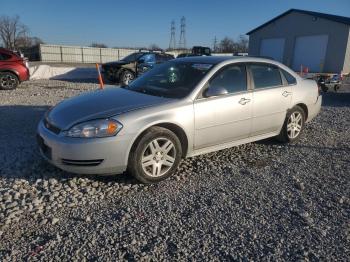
{"x":290,"y":79}
{"x":233,"y":78}
{"x":173,"y":79}
{"x":265,"y":75}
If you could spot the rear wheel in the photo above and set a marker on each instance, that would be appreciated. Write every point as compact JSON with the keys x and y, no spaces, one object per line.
{"x":155,"y":156}
{"x":8,"y":81}
{"x":126,"y":77}
{"x":293,"y":125}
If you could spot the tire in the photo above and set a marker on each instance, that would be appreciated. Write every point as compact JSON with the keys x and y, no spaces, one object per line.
{"x":293,"y":125}
{"x":155,"y":155}
{"x":8,"y":81}
{"x":126,"y":77}
{"x":324,"y":88}
{"x":336,"y":88}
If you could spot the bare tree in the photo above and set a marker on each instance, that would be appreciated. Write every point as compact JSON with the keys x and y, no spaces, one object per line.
{"x":25,"y":42}
{"x":227,"y":45}
{"x":99,"y":45}
{"x":242,"y":44}
{"x":11,"y":30}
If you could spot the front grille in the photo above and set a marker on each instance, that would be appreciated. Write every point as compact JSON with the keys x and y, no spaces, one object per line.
{"x":71,"y":162}
{"x":51,"y":127}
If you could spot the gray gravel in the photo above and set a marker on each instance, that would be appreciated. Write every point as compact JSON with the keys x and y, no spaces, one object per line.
{"x":260,"y":201}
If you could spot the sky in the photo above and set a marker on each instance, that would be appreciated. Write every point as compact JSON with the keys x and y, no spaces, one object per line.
{"x":136,"y":23}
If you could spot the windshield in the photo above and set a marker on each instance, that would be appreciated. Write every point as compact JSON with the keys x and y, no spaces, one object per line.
{"x":133,"y":57}
{"x":173,"y":79}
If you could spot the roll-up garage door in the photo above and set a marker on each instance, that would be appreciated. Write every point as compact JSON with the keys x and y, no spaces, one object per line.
{"x":272,"y":47}
{"x":310,"y":51}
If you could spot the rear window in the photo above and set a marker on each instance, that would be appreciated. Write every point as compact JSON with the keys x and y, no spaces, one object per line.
{"x":265,"y":75}
{"x":290,"y":79}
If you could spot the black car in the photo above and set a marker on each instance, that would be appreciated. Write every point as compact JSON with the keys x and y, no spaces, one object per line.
{"x":133,"y":65}
{"x":197,"y":51}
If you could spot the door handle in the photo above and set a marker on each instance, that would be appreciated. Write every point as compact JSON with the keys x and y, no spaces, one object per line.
{"x":286,"y":93}
{"x":244,"y":101}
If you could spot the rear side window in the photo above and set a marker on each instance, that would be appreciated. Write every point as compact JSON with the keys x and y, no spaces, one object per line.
{"x":290,"y":79}
{"x":233,"y":78}
{"x":265,"y":75}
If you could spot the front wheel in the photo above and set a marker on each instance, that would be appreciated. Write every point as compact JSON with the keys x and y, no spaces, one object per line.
{"x":293,"y":125}
{"x":155,"y":156}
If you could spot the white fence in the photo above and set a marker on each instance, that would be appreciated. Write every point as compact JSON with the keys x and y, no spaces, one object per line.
{"x":80,"y":54}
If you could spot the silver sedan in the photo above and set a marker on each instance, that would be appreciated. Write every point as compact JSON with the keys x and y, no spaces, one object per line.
{"x":182,"y":108}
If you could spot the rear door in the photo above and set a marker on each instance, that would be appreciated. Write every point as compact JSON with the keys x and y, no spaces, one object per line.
{"x":224,"y":118}
{"x":271,"y":98}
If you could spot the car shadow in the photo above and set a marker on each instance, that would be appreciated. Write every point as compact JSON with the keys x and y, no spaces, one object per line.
{"x":79,"y":75}
{"x":273,"y":141}
{"x":19,"y":153}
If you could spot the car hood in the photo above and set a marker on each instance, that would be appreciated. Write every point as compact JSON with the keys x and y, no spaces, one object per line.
{"x":99,"y":104}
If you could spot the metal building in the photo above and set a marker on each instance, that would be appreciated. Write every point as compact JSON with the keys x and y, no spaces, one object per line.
{"x":299,"y":38}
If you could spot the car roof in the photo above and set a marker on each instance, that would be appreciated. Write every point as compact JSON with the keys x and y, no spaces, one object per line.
{"x":219,"y":59}
{"x":215,"y":60}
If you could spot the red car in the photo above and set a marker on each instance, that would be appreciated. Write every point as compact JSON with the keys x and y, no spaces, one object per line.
{"x":13,"y":69}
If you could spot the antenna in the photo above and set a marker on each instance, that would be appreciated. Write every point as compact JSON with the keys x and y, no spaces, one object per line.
{"x":182,"y":42}
{"x":172,"y":44}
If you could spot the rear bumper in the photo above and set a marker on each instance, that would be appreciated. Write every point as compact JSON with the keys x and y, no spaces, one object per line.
{"x":314,"y":109}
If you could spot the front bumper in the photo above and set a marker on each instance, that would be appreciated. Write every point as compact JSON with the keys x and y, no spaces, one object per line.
{"x":104,"y":156}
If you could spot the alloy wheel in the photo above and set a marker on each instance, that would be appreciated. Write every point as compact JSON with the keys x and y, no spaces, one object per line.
{"x":158,"y":157}
{"x":8,"y":81}
{"x":294,"y":125}
{"x":128,"y":77}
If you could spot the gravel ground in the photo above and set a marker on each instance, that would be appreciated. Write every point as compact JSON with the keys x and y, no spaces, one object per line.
{"x":260,"y":201}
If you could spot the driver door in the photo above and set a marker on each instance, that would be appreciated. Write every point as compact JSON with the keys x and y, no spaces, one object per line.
{"x":224,"y":118}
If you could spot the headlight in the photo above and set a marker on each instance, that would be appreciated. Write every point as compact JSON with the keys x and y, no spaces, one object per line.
{"x":95,"y":128}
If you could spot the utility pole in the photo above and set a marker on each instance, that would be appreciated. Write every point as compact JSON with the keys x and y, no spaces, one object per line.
{"x":182,"y":42}
{"x":215,"y":47}
{"x":172,"y":43}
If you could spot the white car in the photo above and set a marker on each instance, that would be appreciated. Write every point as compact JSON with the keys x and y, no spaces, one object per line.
{"x":181,"y":108}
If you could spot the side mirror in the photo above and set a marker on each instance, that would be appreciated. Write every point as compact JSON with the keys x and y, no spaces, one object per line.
{"x":141,"y":61}
{"x":215,"y":91}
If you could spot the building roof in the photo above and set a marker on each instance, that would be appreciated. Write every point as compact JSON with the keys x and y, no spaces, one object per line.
{"x":335,"y":18}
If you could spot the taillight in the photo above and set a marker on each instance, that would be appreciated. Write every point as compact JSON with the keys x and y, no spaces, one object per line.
{"x":319,"y":88}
